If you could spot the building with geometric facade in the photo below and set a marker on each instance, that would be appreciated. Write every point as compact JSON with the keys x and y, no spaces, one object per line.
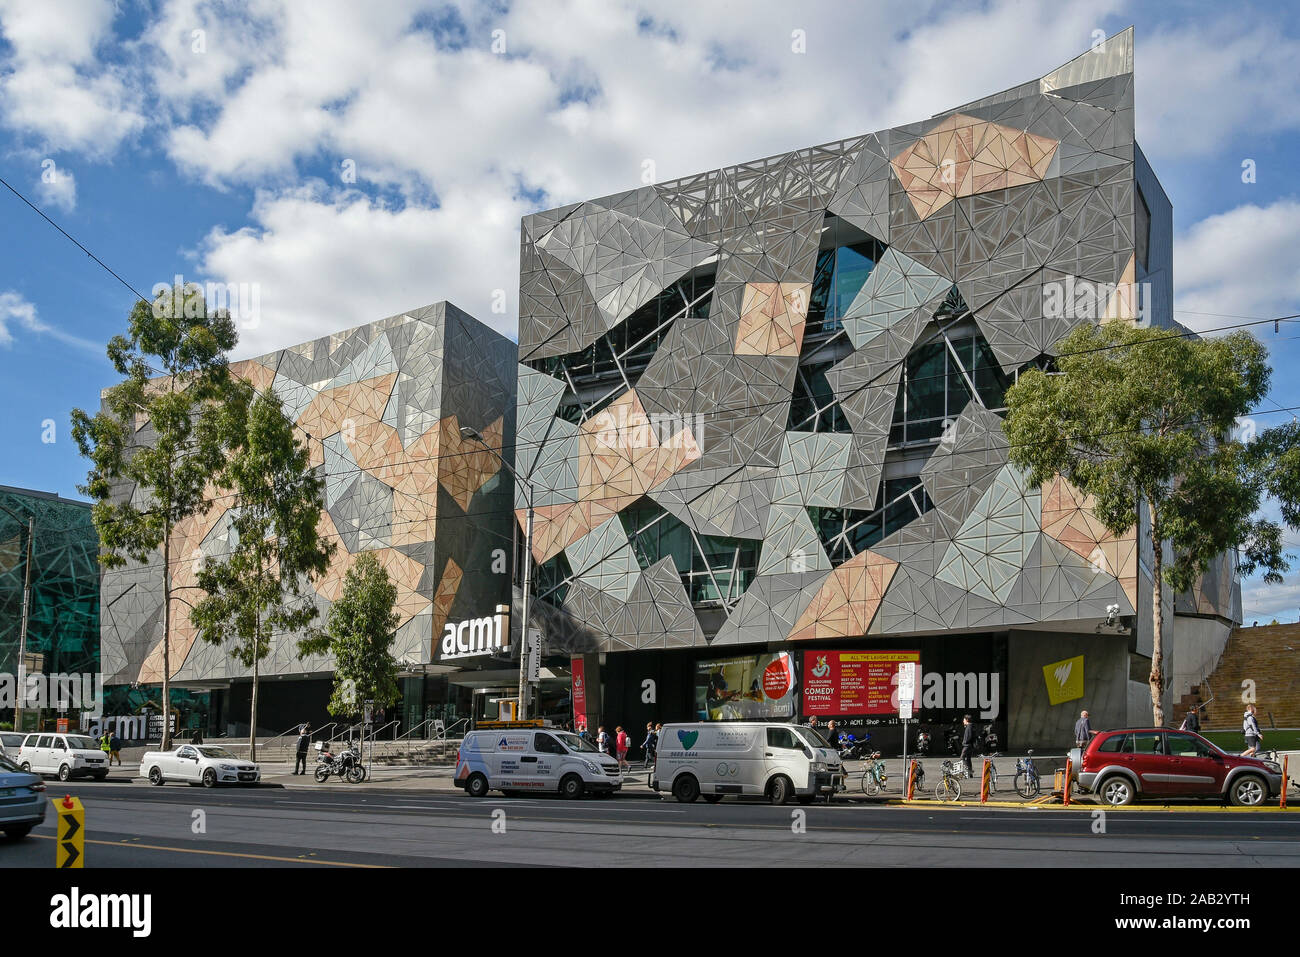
{"x":381,"y":407}
{"x":63,"y":617}
{"x":761,"y":408}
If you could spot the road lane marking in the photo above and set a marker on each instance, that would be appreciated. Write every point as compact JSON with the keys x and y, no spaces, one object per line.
{"x":252,"y":857}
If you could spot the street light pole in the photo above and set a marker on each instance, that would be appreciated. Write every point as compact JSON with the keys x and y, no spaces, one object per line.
{"x":524,"y":682}
{"x":22,"y":631}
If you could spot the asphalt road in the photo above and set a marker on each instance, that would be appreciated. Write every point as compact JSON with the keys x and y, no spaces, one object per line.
{"x":134,"y":825}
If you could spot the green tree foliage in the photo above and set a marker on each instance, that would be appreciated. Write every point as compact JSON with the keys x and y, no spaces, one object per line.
{"x":175,"y":375}
{"x":1144,"y":418}
{"x":261,"y":586}
{"x":362,"y":626}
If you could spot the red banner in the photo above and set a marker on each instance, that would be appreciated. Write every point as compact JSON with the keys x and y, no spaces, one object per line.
{"x":852,"y":682}
{"x":579,"y":689}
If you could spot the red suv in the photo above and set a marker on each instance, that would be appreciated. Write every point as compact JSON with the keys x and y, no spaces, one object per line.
{"x":1123,"y":766}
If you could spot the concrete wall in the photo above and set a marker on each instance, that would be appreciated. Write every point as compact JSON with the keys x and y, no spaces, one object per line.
{"x":1197,"y":646}
{"x":1037,"y":723}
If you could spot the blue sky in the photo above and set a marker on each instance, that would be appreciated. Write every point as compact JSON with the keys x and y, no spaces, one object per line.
{"x":218,"y":141}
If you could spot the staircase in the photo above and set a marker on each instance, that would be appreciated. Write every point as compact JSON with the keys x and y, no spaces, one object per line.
{"x":1270,"y":657}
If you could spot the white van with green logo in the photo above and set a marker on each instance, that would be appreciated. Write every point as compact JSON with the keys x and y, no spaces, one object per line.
{"x":781,"y":762}
{"x":534,"y":759}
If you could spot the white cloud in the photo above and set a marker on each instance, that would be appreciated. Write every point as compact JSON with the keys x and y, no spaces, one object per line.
{"x":17,"y":312}
{"x":55,"y":86}
{"x":57,"y":188}
{"x":1240,"y":264}
{"x":326,"y":261}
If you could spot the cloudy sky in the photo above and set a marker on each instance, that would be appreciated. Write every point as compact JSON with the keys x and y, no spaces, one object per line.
{"x":353,"y":160}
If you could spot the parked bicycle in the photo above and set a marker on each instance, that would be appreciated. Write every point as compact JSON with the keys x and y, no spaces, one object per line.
{"x":874,"y":779}
{"x":1026,"y":781}
{"x":949,"y":786}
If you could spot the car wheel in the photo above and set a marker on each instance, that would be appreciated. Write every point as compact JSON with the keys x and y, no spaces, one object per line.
{"x":209,"y":778}
{"x":1249,"y":790}
{"x":155,"y":777}
{"x":780,"y":791}
{"x":1116,"y":791}
{"x":476,"y":786}
{"x":571,"y":787}
{"x":712,"y":798}
{"x":65,"y":772}
{"x":18,"y":833}
{"x":686,"y":789}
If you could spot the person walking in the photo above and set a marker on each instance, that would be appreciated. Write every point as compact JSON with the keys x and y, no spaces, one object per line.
{"x":650,"y":744}
{"x":967,"y":744}
{"x":304,"y":742}
{"x":114,"y":750}
{"x":1083,"y":731}
{"x":622,"y":743}
{"x":1250,"y":729}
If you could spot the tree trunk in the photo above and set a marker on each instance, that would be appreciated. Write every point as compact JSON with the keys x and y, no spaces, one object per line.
{"x":167,"y":639}
{"x":252,"y":717}
{"x":1157,"y":679}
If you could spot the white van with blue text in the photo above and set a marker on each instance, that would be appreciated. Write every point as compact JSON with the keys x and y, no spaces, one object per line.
{"x":534,"y":759}
{"x":780,"y":762}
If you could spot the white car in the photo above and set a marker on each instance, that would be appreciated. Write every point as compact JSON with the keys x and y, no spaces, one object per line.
{"x":67,"y":755}
{"x":206,"y":764}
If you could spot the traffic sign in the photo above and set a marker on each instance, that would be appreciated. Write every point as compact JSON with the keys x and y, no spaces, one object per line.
{"x":70,"y":833}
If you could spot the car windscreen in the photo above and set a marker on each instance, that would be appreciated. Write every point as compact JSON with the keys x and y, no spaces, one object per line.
{"x":79,"y":743}
{"x":214,"y":752}
{"x":575,"y":743}
{"x":811,"y":737}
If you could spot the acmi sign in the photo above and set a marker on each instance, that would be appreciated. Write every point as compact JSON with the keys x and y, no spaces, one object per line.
{"x":477,"y":636}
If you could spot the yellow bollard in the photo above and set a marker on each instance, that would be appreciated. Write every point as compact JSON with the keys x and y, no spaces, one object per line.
{"x":70,"y":832}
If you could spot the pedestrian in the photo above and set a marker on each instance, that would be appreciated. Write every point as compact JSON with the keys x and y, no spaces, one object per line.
{"x":114,"y":750}
{"x":622,"y":744}
{"x":650,"y":744}
{"x":304,"y":742}
{"x":1083,"y":731}
{"x":602,"y":740}
{"x":1250,"y":729}
{"x":967,"y":744}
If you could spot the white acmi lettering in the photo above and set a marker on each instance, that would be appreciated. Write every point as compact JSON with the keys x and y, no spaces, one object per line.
{"x":477,"y":636}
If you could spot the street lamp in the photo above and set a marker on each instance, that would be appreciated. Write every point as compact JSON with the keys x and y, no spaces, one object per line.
{"x":22,"y":632}
{"x":473,"y":434}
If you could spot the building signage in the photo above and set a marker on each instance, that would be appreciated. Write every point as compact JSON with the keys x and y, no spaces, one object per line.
{"x":477,"y":636}
{"x":852,"y":682}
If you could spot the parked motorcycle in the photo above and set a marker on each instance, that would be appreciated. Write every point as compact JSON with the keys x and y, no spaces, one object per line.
{"x":346,"y":765}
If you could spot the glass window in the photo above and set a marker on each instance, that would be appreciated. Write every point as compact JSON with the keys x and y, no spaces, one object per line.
{"x":782,"y":738}
{"x":1148,"y":742}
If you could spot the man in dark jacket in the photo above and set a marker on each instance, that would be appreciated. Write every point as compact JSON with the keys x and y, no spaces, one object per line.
{"x":967,"y":744}
{"x":304,"y":742}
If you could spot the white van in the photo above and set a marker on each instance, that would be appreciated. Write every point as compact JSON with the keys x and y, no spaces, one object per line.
{"x":534,"y":759}
{"x":773,"y":760}
{"x":67,"y":755}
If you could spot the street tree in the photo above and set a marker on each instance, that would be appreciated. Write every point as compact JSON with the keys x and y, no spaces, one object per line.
{"x":1139,"y":417}
{"x":260,"y":587}
{"x":175,"y":375}
{"x":361,"y":627}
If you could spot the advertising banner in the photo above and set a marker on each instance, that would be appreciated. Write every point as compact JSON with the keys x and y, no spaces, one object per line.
{"x":852,"y":682}
{"x":577,"y":665}
{"x":746,"y":688}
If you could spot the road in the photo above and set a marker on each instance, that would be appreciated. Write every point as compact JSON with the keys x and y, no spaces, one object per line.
{"x":133,"y":825}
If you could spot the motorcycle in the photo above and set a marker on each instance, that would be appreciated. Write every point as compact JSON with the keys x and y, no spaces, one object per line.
{"x":922,"y":742}
{"x":988,"y":740}
{"x":852,"y":749}
{"x":346,"y":765}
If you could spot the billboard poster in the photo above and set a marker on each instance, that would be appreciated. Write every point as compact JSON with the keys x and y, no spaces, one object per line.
{"x":577,"y":666}
{"x":848,"y":683}
{"x":745,"y":688}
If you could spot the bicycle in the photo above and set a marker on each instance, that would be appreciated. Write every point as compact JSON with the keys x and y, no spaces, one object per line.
{"x":1026,"y":781}
{"x":949,"y":787}
{"x":874,"y":779}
